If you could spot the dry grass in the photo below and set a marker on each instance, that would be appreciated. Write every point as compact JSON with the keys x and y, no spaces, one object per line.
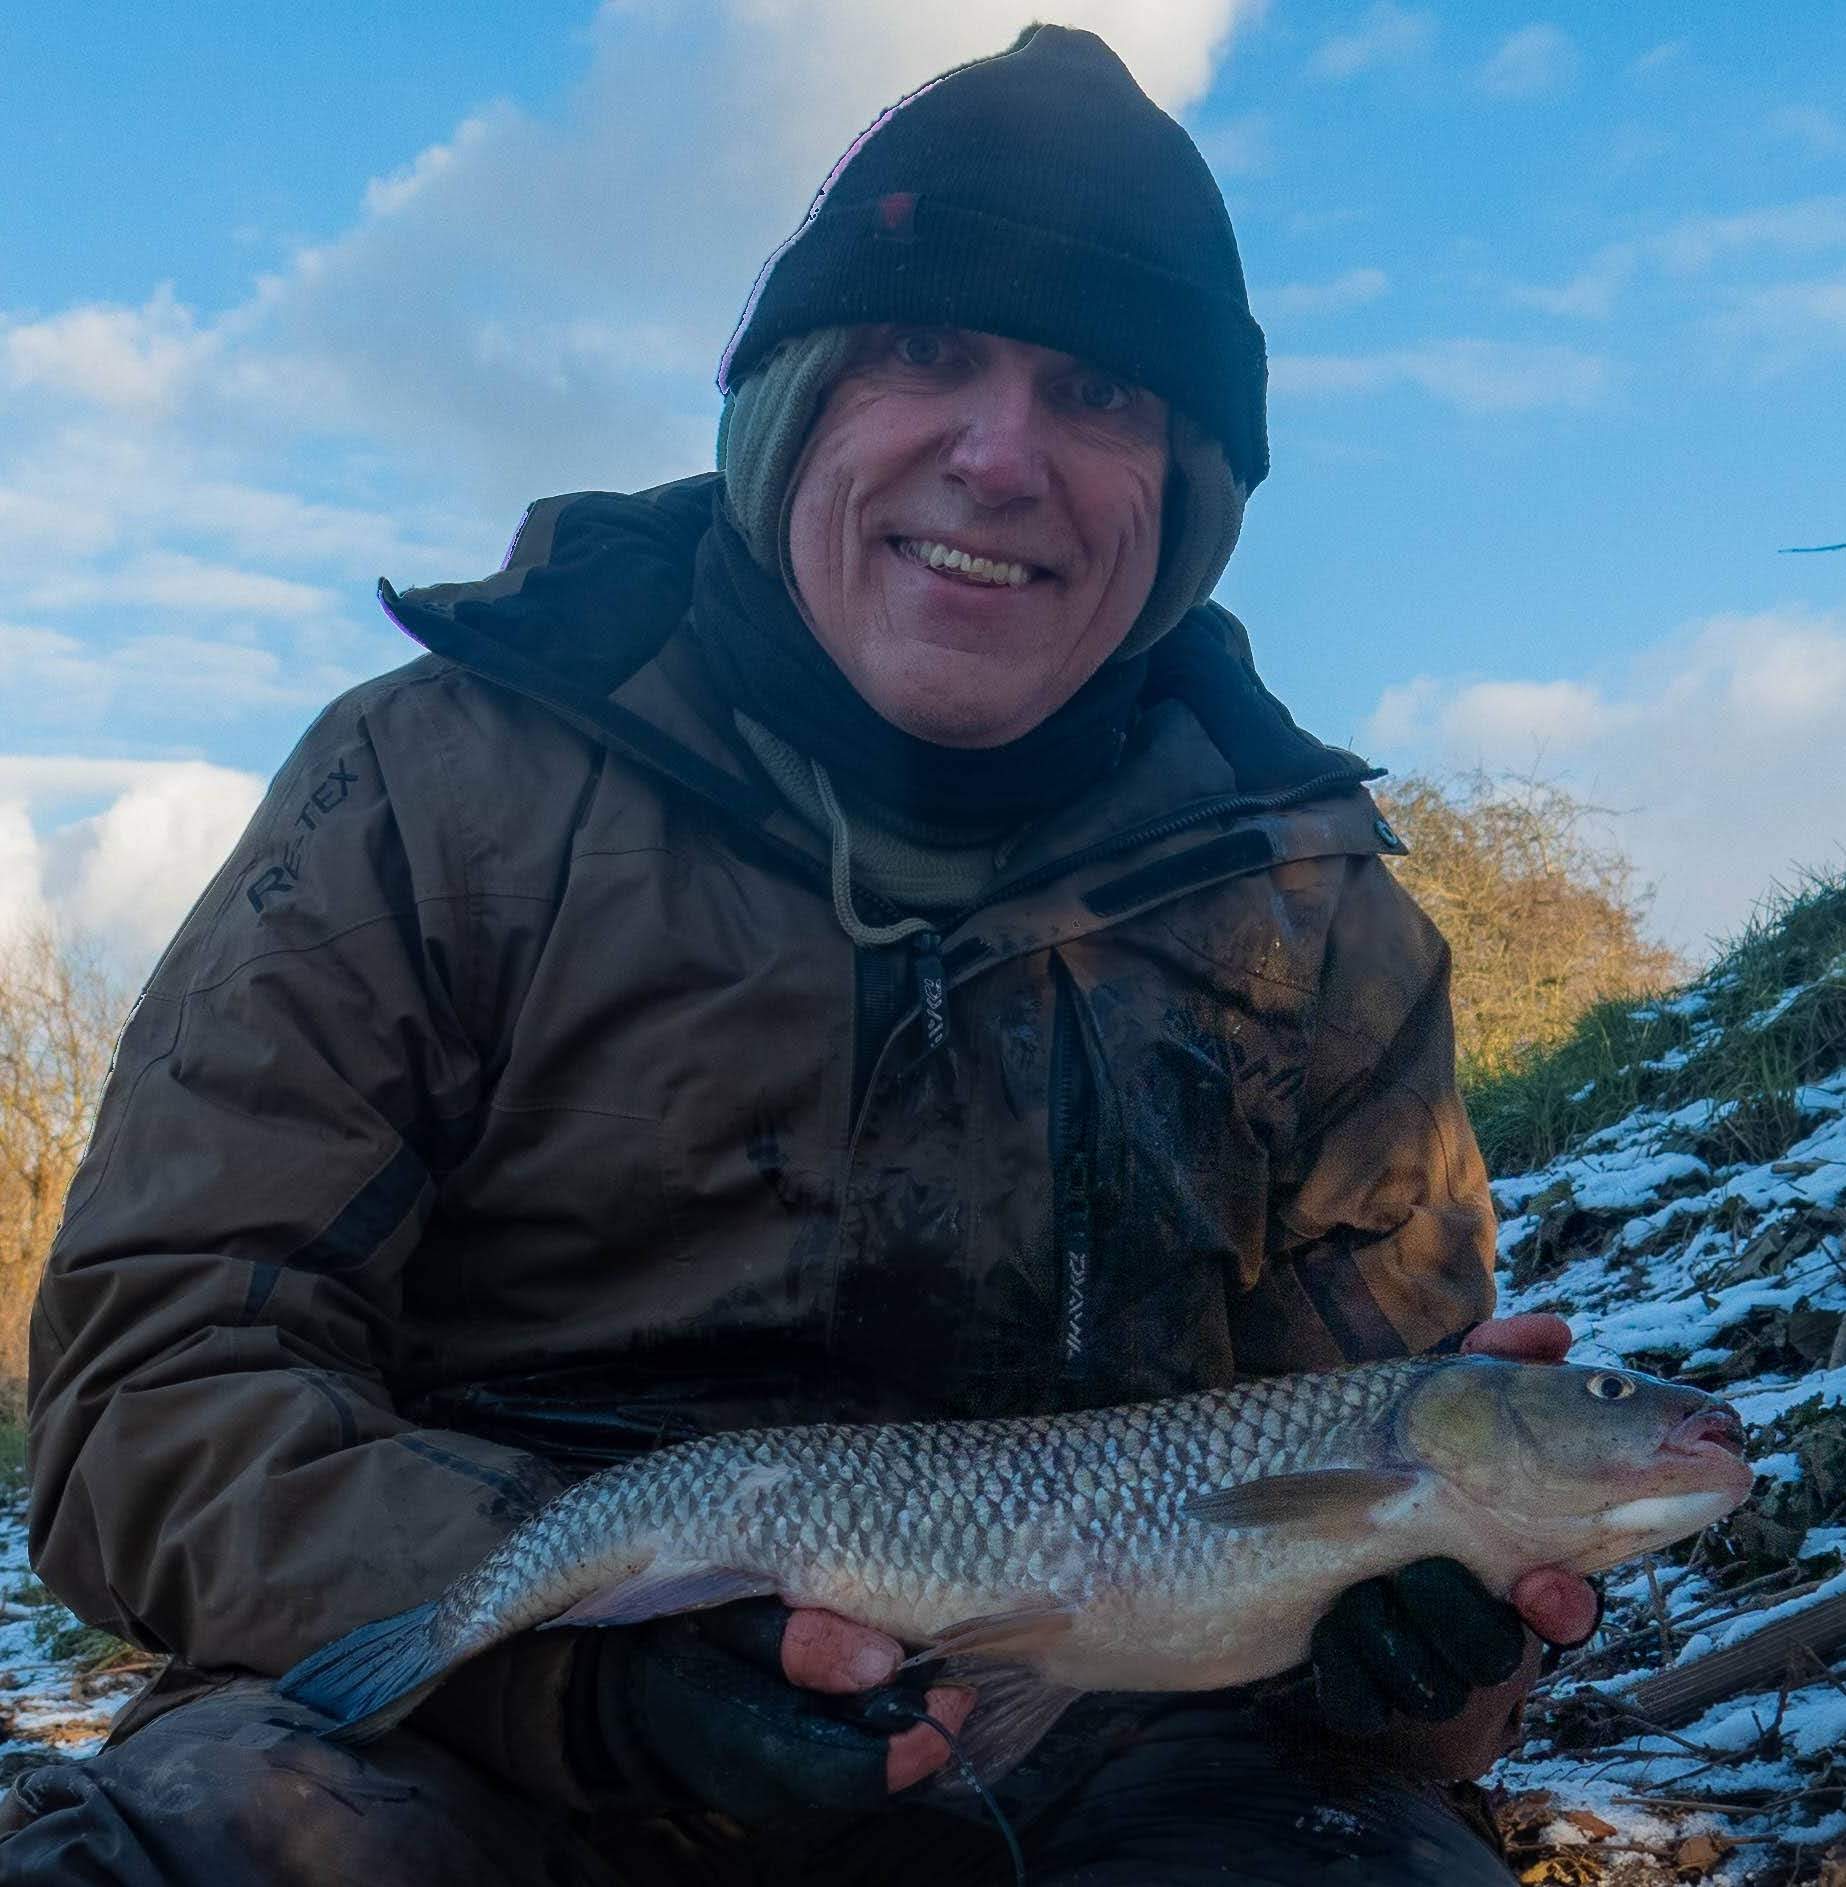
{"x":1539,"y":906}
{"x":60,"y":1012}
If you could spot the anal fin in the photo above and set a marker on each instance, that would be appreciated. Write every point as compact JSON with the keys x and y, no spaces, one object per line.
{"x":657,"y":1590}
{"x":1014,"y":1708}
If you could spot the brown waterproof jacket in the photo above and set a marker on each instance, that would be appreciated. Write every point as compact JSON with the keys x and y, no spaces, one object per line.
{"x":512,"y":1098}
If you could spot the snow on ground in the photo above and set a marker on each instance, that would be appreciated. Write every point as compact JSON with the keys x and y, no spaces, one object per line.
{"x":1665,"y":1257}
{"x":49,"y":1704}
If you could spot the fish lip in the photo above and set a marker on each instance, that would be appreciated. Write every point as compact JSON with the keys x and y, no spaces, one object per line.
{"x":1706,"y":1431}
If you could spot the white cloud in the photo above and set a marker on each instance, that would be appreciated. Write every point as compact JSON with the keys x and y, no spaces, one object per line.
{"x":1588,"y":295}
{"x":1798,"y":312}
{"x":1789,"y":322}
{"x":1658,"y":58}
{"x":22,"y":894}
{"x":1819,"y":131}
{"x":1813,"y":223}
{"x":1385,"y":35}
{"x":1473,"y":375}
{"x":52,"y":680}
{"x":1352,"y":290}
{"x":129,"y":872}
{"x":1534,"y":60}
{"x":34,"y":523}
{"x":134,"y":870}
{"x":1238,"y":147}
{"x":386,"y":196}
{"x":167,"y":579}
{"x":1719,"y":745}
{"x":125,"y":358}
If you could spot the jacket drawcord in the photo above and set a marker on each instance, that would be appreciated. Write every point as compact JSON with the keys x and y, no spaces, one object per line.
{"x":931,"y":984}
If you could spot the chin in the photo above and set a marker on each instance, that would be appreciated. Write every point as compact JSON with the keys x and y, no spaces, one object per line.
{"x":973,"y":726}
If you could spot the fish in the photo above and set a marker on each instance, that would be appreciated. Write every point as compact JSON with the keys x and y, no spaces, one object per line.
{"x":1185,"y":1544}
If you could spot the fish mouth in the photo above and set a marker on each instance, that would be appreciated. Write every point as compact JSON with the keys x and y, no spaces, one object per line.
{"x":1708,"y":1445}
{"x":1707,"y":1431}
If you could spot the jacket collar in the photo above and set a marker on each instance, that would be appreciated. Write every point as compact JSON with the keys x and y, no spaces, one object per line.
{"x":581,"y":618}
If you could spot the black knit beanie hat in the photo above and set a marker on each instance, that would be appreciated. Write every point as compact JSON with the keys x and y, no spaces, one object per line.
{"x":1039,"y":194}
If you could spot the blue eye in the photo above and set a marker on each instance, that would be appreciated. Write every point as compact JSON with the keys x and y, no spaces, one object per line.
{"x":919,"y":349}
{"x":1097,"y":393}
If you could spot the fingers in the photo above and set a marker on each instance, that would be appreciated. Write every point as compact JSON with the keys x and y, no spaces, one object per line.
{"x":1562,"y":1608}
{"x":918,"y":1751}
{"x":1534,"y":1336}
{"x":1478,"y":1636}
{"x":822,"y":1651}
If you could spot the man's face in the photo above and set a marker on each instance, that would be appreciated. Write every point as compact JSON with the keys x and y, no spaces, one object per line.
{"x":940,"y":440}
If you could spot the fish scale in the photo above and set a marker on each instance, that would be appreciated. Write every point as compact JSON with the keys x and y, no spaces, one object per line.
{"x":1185,"y":1544}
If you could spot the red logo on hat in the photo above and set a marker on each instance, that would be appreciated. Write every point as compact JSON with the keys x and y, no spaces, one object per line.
{"x":897,"y":214}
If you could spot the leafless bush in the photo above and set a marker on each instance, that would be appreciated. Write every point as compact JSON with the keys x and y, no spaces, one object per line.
{"x":1540,"y":906}
{"x":60,"y":1011}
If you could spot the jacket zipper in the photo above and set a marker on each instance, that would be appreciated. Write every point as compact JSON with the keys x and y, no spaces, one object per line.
{"x":1071,"y":1135}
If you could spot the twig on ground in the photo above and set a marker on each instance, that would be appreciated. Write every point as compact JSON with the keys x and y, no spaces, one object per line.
{"x":1667,"y":1651}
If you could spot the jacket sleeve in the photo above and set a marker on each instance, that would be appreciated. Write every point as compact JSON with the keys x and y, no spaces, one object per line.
{"x":1381,"y":1227}
{"x":218,"y":1467}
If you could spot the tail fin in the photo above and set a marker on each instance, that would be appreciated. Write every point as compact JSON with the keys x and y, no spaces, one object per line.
{"x":373,"y":1678}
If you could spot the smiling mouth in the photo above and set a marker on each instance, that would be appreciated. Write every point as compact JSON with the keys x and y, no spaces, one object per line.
{"x":948,"y":560}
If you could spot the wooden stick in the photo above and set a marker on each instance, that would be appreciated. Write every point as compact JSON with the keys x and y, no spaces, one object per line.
{"x":1753,"y":1663}
{"x":1660,"y":1613}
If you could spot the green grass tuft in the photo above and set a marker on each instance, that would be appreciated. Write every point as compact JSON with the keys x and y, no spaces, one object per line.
{"x":12,"y":1458}
{"x":1768,"y":1017}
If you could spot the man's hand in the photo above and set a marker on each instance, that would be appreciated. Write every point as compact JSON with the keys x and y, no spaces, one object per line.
{"x":823,"y":1652}
{"x":1426,"y":1665}
{"x":758,"y":1711}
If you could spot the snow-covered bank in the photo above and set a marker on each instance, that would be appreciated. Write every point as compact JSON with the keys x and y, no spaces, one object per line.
{"x":1667,"y":1255}
{"x":51,"y":1703}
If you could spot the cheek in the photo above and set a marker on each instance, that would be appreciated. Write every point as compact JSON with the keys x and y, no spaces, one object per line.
{"x":1127,"y":518}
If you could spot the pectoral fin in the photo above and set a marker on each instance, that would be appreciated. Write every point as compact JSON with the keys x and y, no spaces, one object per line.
{"x":1329,"y":1498}
{"x":1013,"y":1634}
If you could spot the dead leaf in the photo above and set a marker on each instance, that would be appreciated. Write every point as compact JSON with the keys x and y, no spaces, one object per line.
{"x":1587,"y":1821}
{"x":1571,"y":1868}
{"x":1699,"y":1854}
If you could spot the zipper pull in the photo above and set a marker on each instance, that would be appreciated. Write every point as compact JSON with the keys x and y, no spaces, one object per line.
{"x":932,"y":989}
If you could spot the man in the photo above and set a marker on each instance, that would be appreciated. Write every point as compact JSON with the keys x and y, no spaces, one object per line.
{"x":848,"y":939}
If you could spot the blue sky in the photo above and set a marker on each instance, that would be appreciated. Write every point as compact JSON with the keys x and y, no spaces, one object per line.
{"x":1556,"y":303}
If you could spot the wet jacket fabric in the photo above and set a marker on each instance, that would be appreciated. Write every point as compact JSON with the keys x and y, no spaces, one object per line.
{"x":512,"y":1099}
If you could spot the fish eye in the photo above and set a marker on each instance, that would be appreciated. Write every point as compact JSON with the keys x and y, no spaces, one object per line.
{"x":1607,"y":1386}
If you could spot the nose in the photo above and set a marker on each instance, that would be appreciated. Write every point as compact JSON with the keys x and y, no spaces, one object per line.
{"x":996,"y":447}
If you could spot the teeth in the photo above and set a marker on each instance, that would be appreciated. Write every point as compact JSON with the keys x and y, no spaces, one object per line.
{"x":980,"y":569}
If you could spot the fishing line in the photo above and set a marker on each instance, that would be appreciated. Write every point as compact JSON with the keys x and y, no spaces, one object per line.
{"x":981,"y":1789}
